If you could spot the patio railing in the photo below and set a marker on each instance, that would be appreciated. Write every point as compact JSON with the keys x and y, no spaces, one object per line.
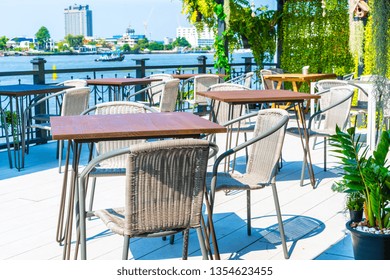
{"x":139,"y":70}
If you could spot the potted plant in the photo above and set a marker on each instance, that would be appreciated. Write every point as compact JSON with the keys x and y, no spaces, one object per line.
{"x":354,"y":201}
{"x":11,"y":120}
{"x":369,"y":176}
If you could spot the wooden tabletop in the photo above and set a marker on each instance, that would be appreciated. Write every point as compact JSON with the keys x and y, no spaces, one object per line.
{"x":299,"y":77}
{"x":89,"y":128}
{"x":121,"y":81}
{"x":27,"y":89}
{"x":258,"y":96}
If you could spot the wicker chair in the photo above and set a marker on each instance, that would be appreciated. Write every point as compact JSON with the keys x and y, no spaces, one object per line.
{"x":268,"y":84}
{"x":115,"y":166}
{"x":4,"y":127}
{"x":201,"y":82}
{"x":245,"y":80}
{"x":152,"y":93}
{"x":74,"y":102}
{"x":74,"y":83}
{"x":158,"y":201}
{"x":348,"y":77}
{"x":360,"y":109}
{"x":220,"y":111}
{"x":169,"y":96}
{"x":157,"y":87}
{"x":266,"y":146}
{"x":45,"y":118}
{"x":335,"y":105}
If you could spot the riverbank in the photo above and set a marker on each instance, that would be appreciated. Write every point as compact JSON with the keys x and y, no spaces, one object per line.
{"x":41,"y":53}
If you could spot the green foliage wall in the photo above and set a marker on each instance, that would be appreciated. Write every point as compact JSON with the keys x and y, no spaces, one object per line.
{"x":369,"y":50}
{"x":376,"y":40}
{"x":311,"y":38}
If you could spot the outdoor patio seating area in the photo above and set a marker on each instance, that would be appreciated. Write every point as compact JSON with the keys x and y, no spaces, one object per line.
{"x":314,"y":218}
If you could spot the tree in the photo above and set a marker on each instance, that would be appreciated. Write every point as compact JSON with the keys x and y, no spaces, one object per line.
{"x":126,"y":48}
{"x":3,"y":42}
{"x":74,"y":41}
{"x":233,"y":22}
{"x":155,"y":46}
{"x":181,"y":42}
{"x":43,"y":37}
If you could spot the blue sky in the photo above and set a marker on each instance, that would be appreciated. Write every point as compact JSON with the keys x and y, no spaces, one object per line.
{"x":110,"y":17}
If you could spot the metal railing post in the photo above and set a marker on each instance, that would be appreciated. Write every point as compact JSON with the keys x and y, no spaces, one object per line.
{"x":39,"y":66}
{"x":140,"y":73}
{"x":247,"y":64}
{"x":202,"y":64}
{"x":39,"y":79}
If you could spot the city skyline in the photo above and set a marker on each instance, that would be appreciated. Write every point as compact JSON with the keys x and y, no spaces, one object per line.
{"x":154,"y":18}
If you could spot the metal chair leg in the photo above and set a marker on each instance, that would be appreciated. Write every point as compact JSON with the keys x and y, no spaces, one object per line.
{"x":248,"y":212}
{"x":280,"y":221}
{"x":125,"y":252}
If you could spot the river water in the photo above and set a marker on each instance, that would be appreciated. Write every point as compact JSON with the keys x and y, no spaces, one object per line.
{"x":22,"y":63}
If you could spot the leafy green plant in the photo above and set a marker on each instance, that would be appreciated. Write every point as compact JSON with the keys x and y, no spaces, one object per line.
{"x":354,"y":199}
{"x":12,"y":120}
{"x":367,"y":175}
{"x":258,"y":30}
{"x":311,"y":38}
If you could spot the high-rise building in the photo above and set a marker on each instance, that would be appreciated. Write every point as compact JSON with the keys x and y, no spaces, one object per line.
{"x":78,"y":20}
{"x":202,"y":39}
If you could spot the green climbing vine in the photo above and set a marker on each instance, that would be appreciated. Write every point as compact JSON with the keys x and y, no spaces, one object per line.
{"x":316,"y":38}
{"x":257,"y":29}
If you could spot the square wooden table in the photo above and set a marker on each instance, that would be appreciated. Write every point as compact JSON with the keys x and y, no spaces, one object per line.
{"x":237,"y":97}
{"x":93,"y":128}
{"x":297,"y":79}
{"x":17,"y":93}
{"x":117,"y":86}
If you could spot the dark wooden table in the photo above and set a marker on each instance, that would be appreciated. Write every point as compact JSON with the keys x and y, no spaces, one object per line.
{"x":93,"y":128}
{"x":16,"y":94}
{"x":117,"y":86}
{"x":266,"y":96}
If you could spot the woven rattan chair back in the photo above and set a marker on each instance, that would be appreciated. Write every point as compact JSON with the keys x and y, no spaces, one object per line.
{"x":202,"y":82}
{"x":75,"y":101}
{"x":74,"y":83}
{"x":264,"y":154}
{"x":338,"y":114}
{"x":267,"y":84}
{"x":221,"y":110}
{"x":169,"y":96}
{"x":117,"y":107}
{"x":157,"y":87}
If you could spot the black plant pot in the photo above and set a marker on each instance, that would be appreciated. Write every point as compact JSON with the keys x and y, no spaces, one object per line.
{"x":356,"y":215}
{"x":367,"y":246}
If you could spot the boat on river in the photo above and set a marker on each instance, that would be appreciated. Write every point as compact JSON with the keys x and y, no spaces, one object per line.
{"x":111,"y":56}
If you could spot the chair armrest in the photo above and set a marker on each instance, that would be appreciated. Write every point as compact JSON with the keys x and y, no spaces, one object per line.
{"x":238,"y":119}
{"x":186,"y":82}
{"x":146,"y":89}
{"x":322,"y":110}
{"x":36,"y":101}
{"x":95,"y":161}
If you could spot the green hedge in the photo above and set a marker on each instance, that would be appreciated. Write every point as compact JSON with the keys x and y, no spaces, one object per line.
{"x":311,"y":38}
